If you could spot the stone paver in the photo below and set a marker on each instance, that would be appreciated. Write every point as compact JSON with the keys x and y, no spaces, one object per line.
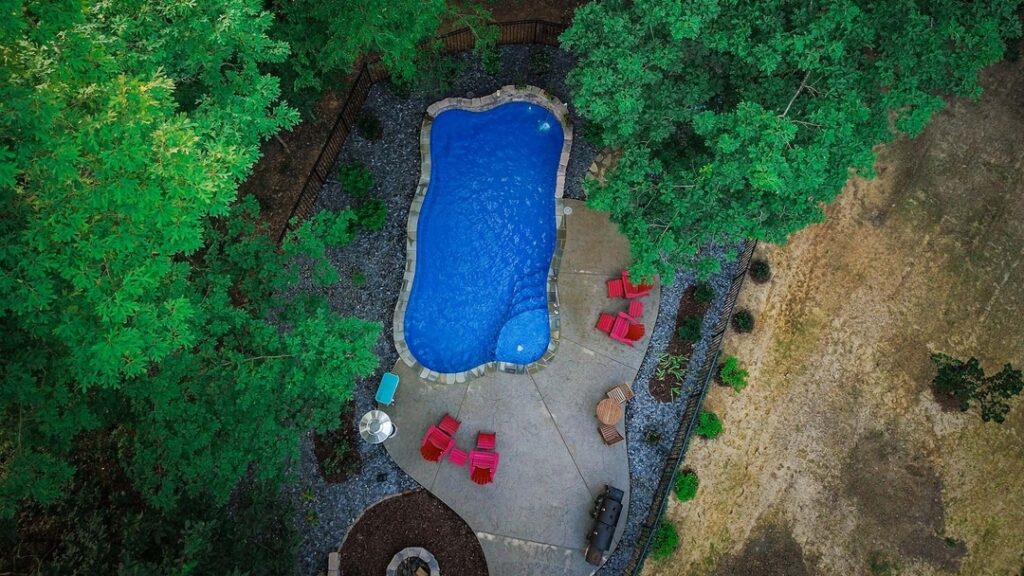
{"x":535,"y":516}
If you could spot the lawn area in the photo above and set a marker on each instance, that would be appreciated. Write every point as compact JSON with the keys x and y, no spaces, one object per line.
{"x":838,"y":459}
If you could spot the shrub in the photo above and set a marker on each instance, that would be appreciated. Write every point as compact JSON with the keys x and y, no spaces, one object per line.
{"x":540,"y":62}
{"x":491,"y":61}
{"x":686,"y":486}
{"x":760,"y":271}
{"x":671,"y":366}
{"x":966,"y":382}
{"x":703,"y":294}
{"x":709,"y":425}
{"x":689,"y":330}
{"x":355,"y":179}
{"x":368,"y":126}
{"x":732,"y":374}
{"x":371,"y":214}
{"x":358,"y":279}
{"x":652,"y":436}
{"x":743,"y":321}
{"x":666,"y":541}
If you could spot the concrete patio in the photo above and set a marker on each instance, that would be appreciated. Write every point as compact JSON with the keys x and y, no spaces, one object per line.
{"x":534,"y":518}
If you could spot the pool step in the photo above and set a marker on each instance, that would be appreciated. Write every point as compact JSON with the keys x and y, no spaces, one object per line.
{"x":529,"y":293}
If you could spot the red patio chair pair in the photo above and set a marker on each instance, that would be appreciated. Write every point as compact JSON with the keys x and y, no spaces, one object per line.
{"x":439,"y":440}
{"x":623,"y":288}
{"x":483,"y":462}
{"x":621,"y":328}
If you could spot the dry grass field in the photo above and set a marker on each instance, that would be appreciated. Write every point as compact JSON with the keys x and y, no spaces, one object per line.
{"x":838,"y":459}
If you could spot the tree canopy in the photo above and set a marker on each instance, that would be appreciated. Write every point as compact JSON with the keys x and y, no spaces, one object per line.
{"x":741,"y":119}
{"x":137,"y":299}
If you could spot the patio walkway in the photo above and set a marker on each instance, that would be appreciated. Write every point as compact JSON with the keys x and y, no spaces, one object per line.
{"x":534,"y":518}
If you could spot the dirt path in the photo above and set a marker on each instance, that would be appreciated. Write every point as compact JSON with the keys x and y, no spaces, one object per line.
{"x":838,"y":459}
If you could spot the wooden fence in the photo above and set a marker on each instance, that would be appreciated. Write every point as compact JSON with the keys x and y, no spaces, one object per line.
{"x":371,"y":71}
{"x":688,"y":422}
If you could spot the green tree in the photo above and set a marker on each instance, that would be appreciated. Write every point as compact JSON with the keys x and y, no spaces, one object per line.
{"x":741,"y":119}
{"x":966,"y":382}
{"x":328,"y":37}
{"x":138,"y":300}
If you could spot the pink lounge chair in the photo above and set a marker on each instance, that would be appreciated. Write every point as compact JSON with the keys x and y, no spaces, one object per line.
{"x":636,"y":310}
{"x":449,"y":425}
{"x":436,"y":444}
{"x":634,"y":291}
{"x":615,"y":288}
{"x":483,"y":466}
{"x":605,"y":322}
{"x":486,"y":440}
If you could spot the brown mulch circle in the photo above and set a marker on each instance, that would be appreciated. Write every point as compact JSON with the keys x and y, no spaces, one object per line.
{"x":415,"y":518}
{"x":337,"y":451}
{"x":660,"y":388}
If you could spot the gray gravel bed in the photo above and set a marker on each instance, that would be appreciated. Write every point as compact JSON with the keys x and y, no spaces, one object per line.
{"x":326,"y":511}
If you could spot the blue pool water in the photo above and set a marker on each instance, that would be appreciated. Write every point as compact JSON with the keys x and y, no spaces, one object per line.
{"x":485,"y":236}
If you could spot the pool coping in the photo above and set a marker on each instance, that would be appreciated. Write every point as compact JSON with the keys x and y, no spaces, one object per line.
{"x":504,"y":95}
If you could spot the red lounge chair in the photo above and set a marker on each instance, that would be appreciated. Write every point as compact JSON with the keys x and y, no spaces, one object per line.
{"x":457,"y":457}
{"x":625,"y":330}
{"x":483,"y":466}
{"x":449,"y":425}
{"x":605,"y":322}
{"x":636,"y":310}
{"x":486,"y":440}
{"x":632,"y":291}
{"x":436,"y":444}
{"x":615,"y":288}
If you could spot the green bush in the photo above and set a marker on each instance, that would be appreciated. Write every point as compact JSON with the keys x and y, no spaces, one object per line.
{"x":760,"y":271}
{"x":355,"y":179}
{"x":709,"y":425}
{"x":967,"y":383}
{"x":540,"y":62}
{"x":743,"y":321}
{"x":666,"y":541}
{"x":689,"y":330}
{"x":358,"y":279}
{"x":671,"y":366}
{"x":371,"y":214}
{"x":686,"y":486}
{"x":703,"y":294}
{"x":368,"y":126}
{"x":732,"y":374}
{"x":491,"y":61}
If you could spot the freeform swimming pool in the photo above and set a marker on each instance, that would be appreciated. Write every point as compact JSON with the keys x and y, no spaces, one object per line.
{"x":485,"y":236}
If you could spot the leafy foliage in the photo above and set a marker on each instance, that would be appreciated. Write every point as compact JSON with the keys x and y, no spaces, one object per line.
{"x":760,"y":271}
{"x":355,"y":179}
{"x":539,"y":63}
{"x":686,"y":485}
{"x":689,"y":330}
{"x":732,"y":374}
{"x":703,"y":294}
{"x":371,"y":214}
{"x":368,"y":126}
{"x":139,"y":301}
{"x":666,"y":541}
{"x":966,"y":382}
{"x":671,"y":366}
{"x":740,"y":119}
{"x":743,"y":321}
{"x":327,"y":37}
{"x":709,"y":425}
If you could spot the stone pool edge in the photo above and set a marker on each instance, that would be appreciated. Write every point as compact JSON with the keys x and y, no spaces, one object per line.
{"x":504,"y":95}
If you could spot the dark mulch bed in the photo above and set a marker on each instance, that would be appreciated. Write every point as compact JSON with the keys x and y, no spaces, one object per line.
{"x":416,"y":518}
{"x":662,"y":388}
{"x":337,"y":451}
